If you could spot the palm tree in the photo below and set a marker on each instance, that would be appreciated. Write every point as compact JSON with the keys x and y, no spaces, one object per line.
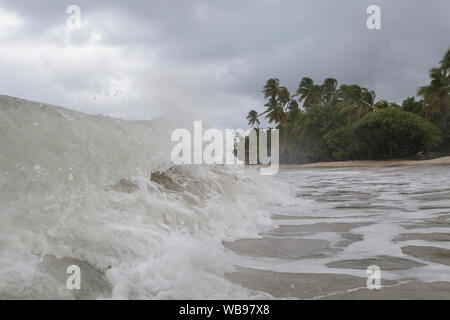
{"x":445,"y":62}
{"x":271,"y":88}
{"x":280,"y":103}
{"x":355,"y":102}
{"x":308,"y":92}
{"x":436,"y":95}
{"x":329,"y":90}
{"x":274,"y":112}
{"x":368,"y":98}
{"x":292,"y":109}
{"x":283,"y":96}
{"x":253,"y":118}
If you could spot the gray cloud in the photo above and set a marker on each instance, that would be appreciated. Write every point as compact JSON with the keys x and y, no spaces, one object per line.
{"x":140,"y":59}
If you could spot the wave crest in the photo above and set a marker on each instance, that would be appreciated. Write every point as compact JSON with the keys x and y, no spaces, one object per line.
{"x":103,"y":192}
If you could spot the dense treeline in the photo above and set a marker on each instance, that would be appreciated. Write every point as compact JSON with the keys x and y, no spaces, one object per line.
{"x":328,"y":122}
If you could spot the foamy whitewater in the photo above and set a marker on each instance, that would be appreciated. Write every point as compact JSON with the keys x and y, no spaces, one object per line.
{"x":79,"y":189}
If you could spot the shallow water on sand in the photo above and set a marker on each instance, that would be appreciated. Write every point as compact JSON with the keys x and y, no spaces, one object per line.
{"x":349,"y":219}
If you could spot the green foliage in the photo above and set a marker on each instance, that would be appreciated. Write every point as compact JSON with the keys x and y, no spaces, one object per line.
{"x":413,"y":106}
{"x":345,"y":144}
{"x":317,"y":124}
{"x":436,"y":95}
{"x":331,"y":122}
{"x":252,"y":118}
{"x":279,"y":102}
{"x":394,"y":133}
{"x":445,"y":145}
{"x":312,"y":94}
{"x":355,"y":102}
{"x":274,"y":111}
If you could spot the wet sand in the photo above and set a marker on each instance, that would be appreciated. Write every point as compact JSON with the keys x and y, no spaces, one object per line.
{"x":384,"y":262}
{"x":285,"y":248}
{"x":335,"y":286}
{"x":397,"y":220}
{"x":429,"y":253}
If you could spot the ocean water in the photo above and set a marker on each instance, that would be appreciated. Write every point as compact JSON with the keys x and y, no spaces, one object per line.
{"x":101,"y":193}
{"x":396,"y":218}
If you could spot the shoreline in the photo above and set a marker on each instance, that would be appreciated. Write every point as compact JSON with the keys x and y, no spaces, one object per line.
{"x":367,"y":163}
{"x":441,"y":161}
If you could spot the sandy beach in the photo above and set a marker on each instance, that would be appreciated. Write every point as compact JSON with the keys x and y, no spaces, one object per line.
{"x":368,"y":163}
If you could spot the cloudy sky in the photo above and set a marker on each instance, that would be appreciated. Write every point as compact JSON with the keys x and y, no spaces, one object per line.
{"x":141,"y":59}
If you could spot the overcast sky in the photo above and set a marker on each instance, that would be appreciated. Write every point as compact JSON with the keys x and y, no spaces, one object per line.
{"x":140,"y":59}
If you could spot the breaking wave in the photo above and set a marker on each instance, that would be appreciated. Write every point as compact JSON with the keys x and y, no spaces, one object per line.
{"x":102,"y":193}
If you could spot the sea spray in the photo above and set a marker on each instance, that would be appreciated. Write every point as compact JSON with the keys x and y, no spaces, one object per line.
{"x":102,"y":193}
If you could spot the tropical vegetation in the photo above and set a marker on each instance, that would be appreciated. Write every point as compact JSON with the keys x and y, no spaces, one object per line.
{"x":327,"y":121}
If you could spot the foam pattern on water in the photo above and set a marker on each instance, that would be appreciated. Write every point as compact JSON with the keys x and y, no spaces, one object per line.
{"x":77,"y":187}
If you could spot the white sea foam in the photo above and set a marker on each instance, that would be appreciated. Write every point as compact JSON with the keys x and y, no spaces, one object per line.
{"x":77,"y":187}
